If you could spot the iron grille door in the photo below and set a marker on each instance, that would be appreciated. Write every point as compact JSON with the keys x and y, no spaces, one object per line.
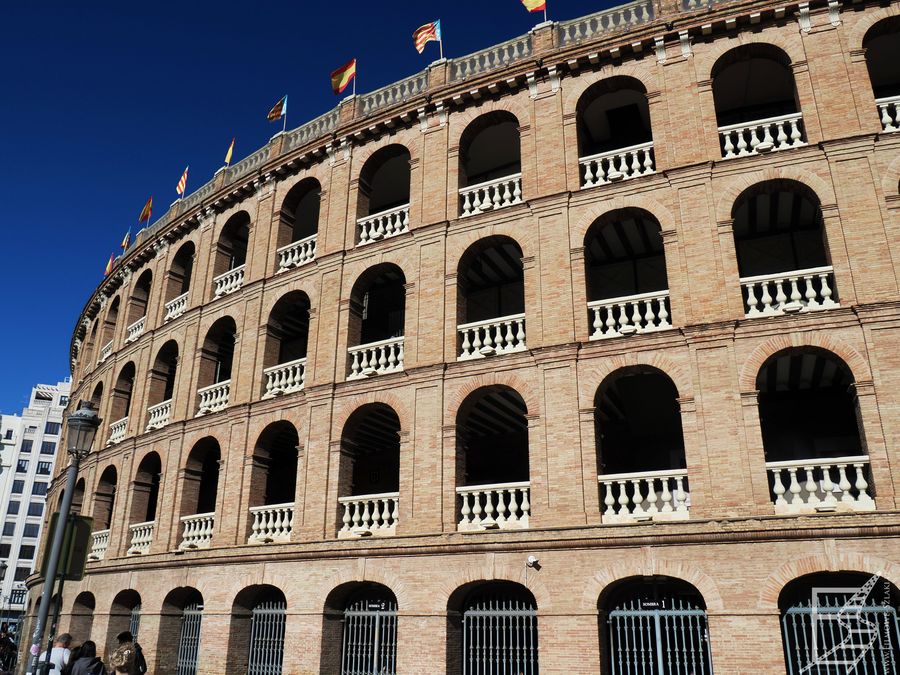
{"x":134,"y":623}
{"x":500,"y":637}
{"x":370,"y":638}
{"x":266,"y":638}
{"x":189,"y":642}
{"x":655,"y":640}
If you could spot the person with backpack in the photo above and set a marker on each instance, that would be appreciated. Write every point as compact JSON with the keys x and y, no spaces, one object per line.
{"x":128,"y":657}
{"x":87,"y":662}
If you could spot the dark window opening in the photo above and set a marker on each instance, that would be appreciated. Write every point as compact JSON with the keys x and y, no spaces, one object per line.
{"x":753,"y":82}
{"x":492,"y":433}
{"x":489,"y":149}
{"x":491,"y":281}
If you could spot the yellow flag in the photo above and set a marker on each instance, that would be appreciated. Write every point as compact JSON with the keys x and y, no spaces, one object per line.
{"x":229,"y":153}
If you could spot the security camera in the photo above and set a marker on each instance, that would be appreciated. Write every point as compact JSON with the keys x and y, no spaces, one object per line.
{"x":532,"y":561}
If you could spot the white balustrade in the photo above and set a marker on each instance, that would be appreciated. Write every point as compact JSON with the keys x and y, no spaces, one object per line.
{"x":214,"y":397}
{"x":595,"y":25}
{"x":622,"y":164}
{"x":629,"y":314}
{"x":99,"y":545}
{"x":229,"y":282}
{"x":504,"y":506}
{"x":752,"y":138}
{"x":158,"y":415}
{"x":298,"y":253}
{"x":696,"y":4}
{"x":393,"y":94}
{"x":376,"y":358}
{"x":117,"y":431}
{"x":141,"y":538}
{"x":643,"y":496}
{"x":493,"y":194}
{"x":369,"y":515}
{"x":134,"y":331}
{"x":198,"y":530}
{"x":498,"y":56}
{"x":503,"y":335}
{"x":889,"y":112}
{"x":285,"y":378}
{"x":175,"y":307}
{"x":105,"y":351}
{"x":798,"y":291}
{"x":271,"y":523}
{"x":820,"y":485}
{"x":383,"y":225}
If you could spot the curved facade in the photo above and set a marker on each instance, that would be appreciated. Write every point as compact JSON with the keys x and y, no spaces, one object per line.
{"x":619,"y":294}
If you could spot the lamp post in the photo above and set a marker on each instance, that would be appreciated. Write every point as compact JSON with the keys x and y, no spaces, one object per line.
{"x":82,"y":427}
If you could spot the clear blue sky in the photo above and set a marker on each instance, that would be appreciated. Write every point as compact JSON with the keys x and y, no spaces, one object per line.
{"x":104,"y":103}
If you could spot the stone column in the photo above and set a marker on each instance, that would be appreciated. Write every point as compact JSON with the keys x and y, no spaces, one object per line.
{"x":884,"y":483}
{"x":757,"y":474}
{"x":593,"y":507}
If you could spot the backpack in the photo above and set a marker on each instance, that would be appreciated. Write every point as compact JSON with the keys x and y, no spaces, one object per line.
{"x":123,"y":658}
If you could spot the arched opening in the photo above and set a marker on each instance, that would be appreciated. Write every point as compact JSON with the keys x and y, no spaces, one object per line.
{"x":654,"y":623}
{"x":216,"y":356}
{"x":109,"y":330}
{"x":198,"y":493}
{"x":124,"y":614}
{"x":811,"y":434}
{"x":231,"y":254}
{"x":492,"y":474}
{"x":97,"y":396}
{"x":834,"y":620}
{"x":376,"y":322}
{"x":180,"y":622}
{"x":492,"y":627}
{"x":82,"y":620}
{"x":137,"y":306}
{"x":257,"y":612}
{"x":382,"y":207}
{"x":490,"y":299}
{"x":625,"y":271}
{"x":90,"y":347}
{"x":782,"y":253}
{"x":104,"y":498}
{"x":273,"y":483}
{"x":298,"y":224}
{"x":882,"y":44}
{"x":287,"y":337}
{"x":369,"y":474}
{"x":78,"y":497}
{"x":490,"y":163}
{"x":615,"y":141}
{"x":162,"y":386}
{"x":361,"y":617}
{"x":120,"y":406}
{"x":640,"y":447}
{"x":144,"y":500}
{"x":756,"y":101}
{"x":178,"y":281}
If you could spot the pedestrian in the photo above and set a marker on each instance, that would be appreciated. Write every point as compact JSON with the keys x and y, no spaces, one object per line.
{"x":128,"y":657}
{"x":59,"y":655}
{"x":88,"y":663}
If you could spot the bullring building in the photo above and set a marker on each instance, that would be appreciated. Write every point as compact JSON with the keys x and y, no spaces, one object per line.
{"x":578,"y":354}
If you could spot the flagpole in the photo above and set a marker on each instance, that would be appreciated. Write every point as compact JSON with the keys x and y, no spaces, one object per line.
{"x":354,"y":83}
{"x":441,"y":44}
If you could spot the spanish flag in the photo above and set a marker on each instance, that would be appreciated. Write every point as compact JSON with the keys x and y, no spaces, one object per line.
{"x":126,"y":240}
{"x":229,"y":153}
{"x":109,"y":265}
{"x":146,"y":212}
{"x":278,"y":110}
{"x":341,"y":77}
{"x":535,"y":5}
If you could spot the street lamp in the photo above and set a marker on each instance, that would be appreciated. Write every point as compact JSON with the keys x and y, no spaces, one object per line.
{"x":81,"y":427}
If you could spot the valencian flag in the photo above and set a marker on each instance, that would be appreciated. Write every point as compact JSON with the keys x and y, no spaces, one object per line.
{"x":146,"y":212}
{"x":427,"y":33}
{"x":535,"y":5}
{"x":229,"y":153}
{"x":126,"y":240}
{"x":341,"y":77}
{"x":278,"y":110}
{"x":182,"y":182}
{"x":109,"y":265}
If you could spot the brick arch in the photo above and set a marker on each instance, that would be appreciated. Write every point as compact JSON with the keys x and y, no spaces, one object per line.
{"x":626,"y":569}
{"x":189,"y":447}
{"x":506,"y":379}
{"x":491,"y":571}
{"x":705,"y":59}
{"x":305,"y":285}
{"x":348,"y":406}
{"x":407,"y":138}
{"x":574,"y":87}
{"x":890,"y":183}
{"x":850,"y":356}
{"x":372,"y":574}
{"x":459,"y":245}
{"x":858,"y":34}
{"x":663,"y":214}
{"x":837,"y":561}
{"x":596,"y":374}
{"x":459,"y":121}
{"x":731,"y":191}
{"x":136,"y":463}
{"x":319,"y":171}
{"x":223,"y":218}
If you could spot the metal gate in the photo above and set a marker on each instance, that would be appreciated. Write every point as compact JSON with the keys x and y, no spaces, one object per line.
{"x":189,"y":641}
{"x":266,"y":638}
{"x":500,"y":636}
{"x":666,"y":636}
{"x":134,"y":623}
{"x":370,"y":638}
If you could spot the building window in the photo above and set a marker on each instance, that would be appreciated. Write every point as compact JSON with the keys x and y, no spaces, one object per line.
{"x":39,"y":489}
{"x":52,"y":428}
{"x":12,"y":509}
{"x":22,"y":466}
{"x":26,"y":446}
{"x":26,"y":552}
{"x":31,"y":530}
{"x":35,"y":509}
{"x":44,"y":468}
{"x":9,"y":434}
{"x":17,"y":597}
{"x":48,"y":448}
{"x":4,"y":550}
{"x":18,"y":487}
{"x":9,"y":529}
{"x":63,"y":401}
{"x":22,"y":573}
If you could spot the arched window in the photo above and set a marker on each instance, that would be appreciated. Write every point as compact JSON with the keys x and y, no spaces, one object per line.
{"x":756,"y":101}
{"x":814,"y":449}
{"x":625,"y":271}
{"x":216,"y":358}
{"x":782,"y":256}
{"x":490,"y":164}
{"x":492,"y":474}
{"x":654,"y":625}
{"x":180,"y":622}
{"x":287,"y":337}
{"x":640,"y":447}
{"x":377,"y":314}
{"x":120,"y":406}
{"x":162,"y":386}
{"x":109,"y":330}
{"x":490,"y":304}
{"x":137,"y":306}
{"x":78,"y":497}
{"x":298,"y":224}
{"x":178,"y":281}
{"x":82,"y":619}
{"x":362,"y":619}
{"x":90,"y":347}
{"x":198,"y":494}
{"x":97,"y":396}
{"x":882,"y":44}
{"x":382,"y":208}
{"x":231,"y":254}
{"x":273,"y":483}
{"x":104,"y":502}
{"x":124,"y":614}
{"x":144,"y":501}
{"x":369,"y":474}
{"x":258,"y":613}
{"x":614,"y":137}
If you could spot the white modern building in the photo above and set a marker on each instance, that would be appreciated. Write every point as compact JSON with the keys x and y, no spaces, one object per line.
{"x":29,"y":446}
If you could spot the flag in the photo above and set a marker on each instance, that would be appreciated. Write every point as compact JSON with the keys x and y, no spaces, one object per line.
{"x":427,"y":33}
{"x":109,"y":265}
{"x":126,"y":240}
{"x":182,"y":182}
{"x":535,"y":5}
{"x":146,"y":212}
{"x":229,"y":153}
{"x":341,"y":77}
{"x":278,"y":110}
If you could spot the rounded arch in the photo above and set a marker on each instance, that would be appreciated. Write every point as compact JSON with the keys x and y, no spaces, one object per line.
{"x":217,"y":352}
{"x":162,"y":377}
{"x":104,"y":497}
{"x":97,"y":396}
{"x":81,"y":620}
{"x":753,"y":81}
{"x":865,"y":22}
{"x":890,"y":182}
{"x":489,"y":148}
{"x":730,"y":192}
{"x":370,"y":452}
{"x":671,"y":368}
{"x":384,"y":180}
{"x":109,"y":325}
{"x":181,"y":270}
{"x":613,"y":593}
{"x":575,"y":88}
{"x":78,"y":496}
{"x":122,"y":393}
{"x":201,"y":477}
{"x":612,"y":113}
{"x":180,"y":605}
{"x":273,"y":478}
{"x":494,"y":379}
{"x":140,"y":297}
{"x":145,"y":488}
{"x":377,"y":305}
{"x":882,"y":43}
{"x":124,"y":615}
{"x":490,"y":278}
{"x":231,"y":245}
{"x":299,"y":215}
{"x":287,"y":331}
{"x":241,"y":645}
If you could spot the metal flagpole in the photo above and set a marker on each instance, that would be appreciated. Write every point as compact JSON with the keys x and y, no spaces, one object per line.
{"x":284,"y":116}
